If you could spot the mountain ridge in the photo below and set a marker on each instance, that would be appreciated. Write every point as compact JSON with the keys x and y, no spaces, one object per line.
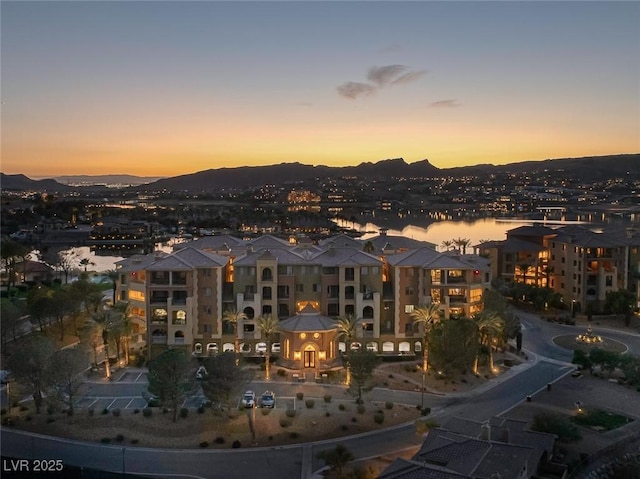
{"x":588,"y":168}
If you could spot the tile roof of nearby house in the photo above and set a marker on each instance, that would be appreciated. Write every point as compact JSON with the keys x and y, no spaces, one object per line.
{"x":581,"y":236}
{"x":215,"y":242}
{"x":396,"y":243}
{"x":268,"y":241}
{"x":531,"y":230}
{"x":139,"y":262}
{"x":308,"y":319}
{"x":429,"y":258}
{"x":341,"y":240}
{"x":513,"y":245}
{"x":283,"y":255}
{"x":30,"y":266}
{"x":403,"y":469}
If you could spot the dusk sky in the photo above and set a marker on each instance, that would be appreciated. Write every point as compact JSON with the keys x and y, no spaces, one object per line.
{"x":168,"y":88}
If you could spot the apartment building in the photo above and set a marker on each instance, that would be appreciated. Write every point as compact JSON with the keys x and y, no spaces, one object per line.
{"x":580,"y":263}
{"x":306,"y":285}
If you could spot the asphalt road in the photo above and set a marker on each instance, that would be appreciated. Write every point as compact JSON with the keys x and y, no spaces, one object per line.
{"x":549,"y":363}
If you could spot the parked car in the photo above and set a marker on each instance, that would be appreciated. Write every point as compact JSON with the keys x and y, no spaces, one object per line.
{"x":268,"y":399}
{"x":201,"y":372}
{"x":249,"y":399}
{"x":275,"y":348}
{"x":5,"y":376}
{"x":152,"y":400}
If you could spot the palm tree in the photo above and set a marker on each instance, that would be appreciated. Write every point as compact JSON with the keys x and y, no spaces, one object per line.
{"x":347,"y":327}
{"x":524,"y":268}
{"x":490,"y":325}
{"x":105,"y":320}
{"x":85,"y":262}
{"x":233,"y":317}
{"x":368,"y":247}
{"x":124,"y":310}
{"x":268,"y":327}
{"x":462,"y":244}
{"x":112,"y":274}
{"x":426,"y":316}
{"x":447,"y":244}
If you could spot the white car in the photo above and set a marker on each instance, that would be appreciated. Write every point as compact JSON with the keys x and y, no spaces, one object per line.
{"x":249,"y":399}
{"x":275,"y":348}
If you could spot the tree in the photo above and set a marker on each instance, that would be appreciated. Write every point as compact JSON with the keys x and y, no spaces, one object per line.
{"x":124,"y":327}
{"x":63,"y":261}
{"x":224,"y":379}
{"x":425,"y":316}
{"x":362,"y":363}
{"x":462,"y":244}
{"x":447,"y":244}
{"x":524,"y":268}
{"x":85,"y":263}
{"x":29,"y":361}
{"x":368,"y":247}
{"x":336,"y":458}
{"x":171,"y":378}
{"x":346,"y":329}
{"x":490,"y":326}
{"x":453,"y":345}
{"x":11,"y":252}
{"x":39,"y":306}
{"x":66,"y":372}
{"x":10,"y":315}
{"x":556,"y":424}
{"x":105,"y":321}
{"x":581,"y":359}
{"x":233,"y":317}
{"x":620,"y":302}
{"x":63,"y":303}
{"x":268,"y":326}
{"x":113,"y":275}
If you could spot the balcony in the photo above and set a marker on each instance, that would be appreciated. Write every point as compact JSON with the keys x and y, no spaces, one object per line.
{"x":178,"y":340}
{"x":457,"y":299}
{"x":159,"y":340}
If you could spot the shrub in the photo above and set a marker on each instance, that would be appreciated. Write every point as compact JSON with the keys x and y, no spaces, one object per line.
{"x":184,"y":412}
{"x":50,"y":410}
{"x":204,"y":444}
{"x":105,"y":440}
{"x":105,"y":411}
{"x":49,"y":420}
{"x":299,"y":396}
{"x":378,"y":417}
{"x":327,"y":414}
{"x":219,"y":440}
{"x":290,"y":412}
{"x":342,"y":407}
{"x":293,"y":435}
{"x":281,"y":372}
{"x":146,"y":412}
{"x":200,"y":409}
{"x":90,"y":411}
{"x":236,"y":444}
{"x":28,"y":418}
{"x":285,"y":422}
{"x":388,"y":405}
{"x":327,"y":398}
{"x":116,"y":412}
{"x":134,"y":441}
{"x":136,"y":411}
{"x":354,"y":419}
{"x":361,"y":409}
{"x":425,"y":411}
{"x":24,"y":408}
{"x":310,"y":403}
{"x":266,"y":411}
{"x":119,"y":438}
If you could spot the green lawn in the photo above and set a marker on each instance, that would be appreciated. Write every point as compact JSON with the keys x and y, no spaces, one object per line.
{"x":597,"y":418}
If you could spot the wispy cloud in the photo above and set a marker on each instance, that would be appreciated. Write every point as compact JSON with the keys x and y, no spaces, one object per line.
{"x":379,"y":77}
{"x":353,"y":90}
{"x":445,"y":104}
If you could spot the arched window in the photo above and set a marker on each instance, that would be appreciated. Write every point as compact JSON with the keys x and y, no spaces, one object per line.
{"x":249,"y":312}
{"x":417,"y":346}
{"x":367,"y":312}
{"x":387,"y":347}
{"x":197,"y":348}
{"x":404,"y":347}
{"x":267,"y":274}
{"x":372,"y":346}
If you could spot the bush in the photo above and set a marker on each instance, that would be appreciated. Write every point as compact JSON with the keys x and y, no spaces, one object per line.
{"x":285,"y":422}
{"x":290,"y":412}
{"x":310,"y":403}
{"x":378,"y":417}
{"x":204,"y":444}
{"x":134,"y":441}
{"x":342,"y":407}
{"x":219,"y":440}
{"x":116,"y":412}
{"x":184,"y":412}
{"x":299,"y":396}
{"x":200,"y":409}
{"x":361,"y":409}
{"x":50,"y":410}
{"x":556,"y":424}
{"x":425,"y":411}
{"x":136,"y":411}
{"x":119,"y":438}
{"x":146,"y":412}
{"x":49,"y":420}
{"x":327,"y":398}
{"x":293,"y":435}
{"x":281,"y":372}
{"x":388,"y":405}
{"x":265,"y":411}
{"x":24,"y":408}
{"x":90,"y":411}
{"x":236,"y":444}
{"x":105,"y":440}
{"x":105,"y":411}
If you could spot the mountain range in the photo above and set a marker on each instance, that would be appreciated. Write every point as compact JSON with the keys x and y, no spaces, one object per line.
{"x":585,"y":169}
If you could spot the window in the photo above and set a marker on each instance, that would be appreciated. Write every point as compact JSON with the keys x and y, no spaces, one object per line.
{"x":333,"y":309}
{"x":267,"y":275}
{"x":476,"y":295}
{"x":333,"y":291}
{"x":367,"y":313}
{"x":436,"y":276}
{"x":249,"y":328}
{"x":436,"y":296}
{"x":249,"y":289}
{"x":408,"y":290}
{"x":283,"y":310}
{"x":179,"y":277}
{"x":350,"y":309}
{"x":408,"y":327}
{"x":349,"y":292}
{"x":206,"y":309}
{"x":206,"y":328}
{"x":207,"y":291}
{"x":206,"y":272}
{"x":408,"y":308}
{"x":364,"y":271}
{"x":375,"y":270}
{"x":299,"y":288}
{"x":159,"y":315}
{"x":136,"y":295}
{"x":266,"y":292}
{"x":608,"y":280}
{"x":249,"y":312}
{"x":283,"y":291}
{"x":349,"y":274}
{"x":179,"y":317}
{"x":315,"y":287}
{"x":266,"y":309}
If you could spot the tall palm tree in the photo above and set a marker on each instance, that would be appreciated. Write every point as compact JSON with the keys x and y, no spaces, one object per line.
{"x":462,"y":244}
{"x":268,"y":327}
{"x":105,"y":321}
{"x":490,"y":325}
{"x":425,"y":316}
{"x":347,"y":327}
{"x":447,"y":244}
{"x":124,"y":312}
{"x":112,"y":274}
{"x":524,"y":268}
{"x":233,"y":317}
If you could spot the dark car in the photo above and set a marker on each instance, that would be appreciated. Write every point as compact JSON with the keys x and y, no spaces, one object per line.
{"x":268,"y":399}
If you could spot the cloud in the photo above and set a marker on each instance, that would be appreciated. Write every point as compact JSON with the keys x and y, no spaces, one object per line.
{"x":392,"y":48}
{"x":380,"y":77}
{"x":353,"y":90}
{"x":445,"y":104}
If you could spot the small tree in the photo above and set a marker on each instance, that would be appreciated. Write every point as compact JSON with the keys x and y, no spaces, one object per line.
{"x":363,"y":362}
{"x":336,"y":458}
{"x":234,"y":317}
{"x":347,"y":330}
{"x":268,"y":326}
{"x":224,"y":379}
{"x":558,"y":425}
{"x":425,"y":316}
{"x":66,"y":372}
{"x":170,"y":378}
